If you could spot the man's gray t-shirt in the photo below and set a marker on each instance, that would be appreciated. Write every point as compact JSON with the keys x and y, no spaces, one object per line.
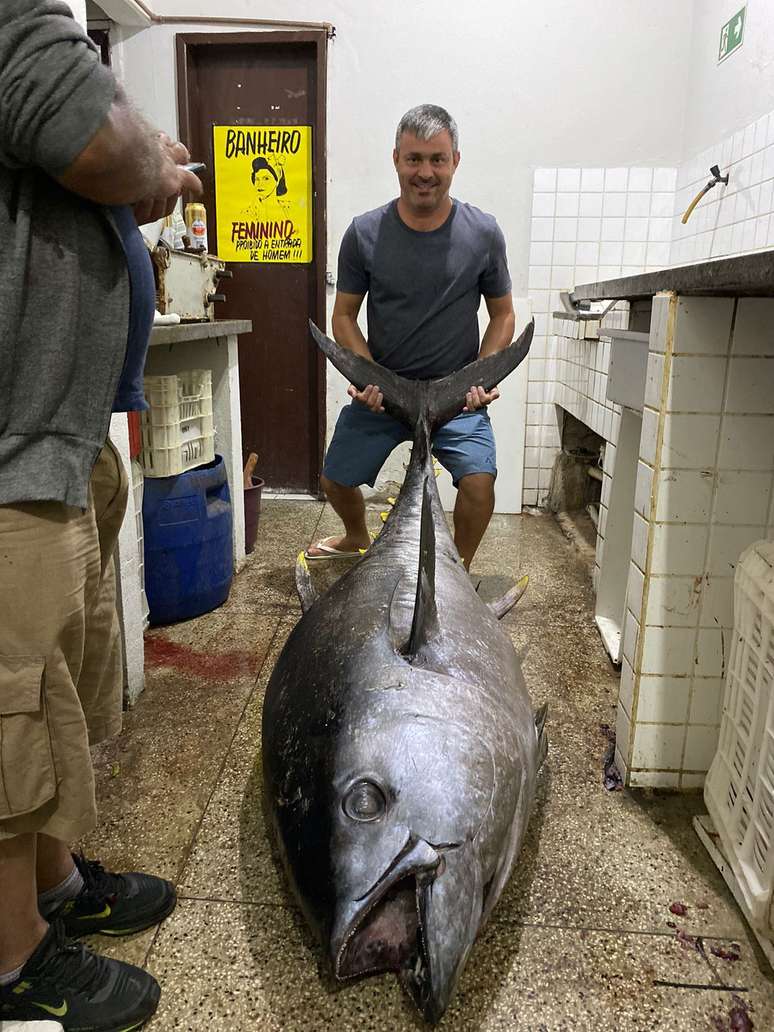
{"x":424,"y":289}
{"x":64,"y":288}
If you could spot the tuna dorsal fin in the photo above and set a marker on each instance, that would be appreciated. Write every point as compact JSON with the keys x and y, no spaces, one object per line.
{"x":424,"y":625}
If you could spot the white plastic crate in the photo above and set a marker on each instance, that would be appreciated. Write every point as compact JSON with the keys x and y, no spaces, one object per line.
{"x":739,"y":791}
{"x":177,"y":430}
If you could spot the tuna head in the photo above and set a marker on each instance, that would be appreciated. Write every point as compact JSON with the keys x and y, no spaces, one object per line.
{"x":412,"y":795}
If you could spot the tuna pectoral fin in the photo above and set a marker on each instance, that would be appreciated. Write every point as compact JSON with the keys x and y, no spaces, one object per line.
{"x":542,"y":734}
{"x":402,"y":398}
{"x":424,"y":624}
{"x":306,"y":590}
{"x":504,"y":605}
{"x":450,"y":909}
{"x":447,"y":396}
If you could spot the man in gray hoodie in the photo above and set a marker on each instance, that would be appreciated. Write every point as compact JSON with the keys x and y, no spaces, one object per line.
{"x":79,"y":168}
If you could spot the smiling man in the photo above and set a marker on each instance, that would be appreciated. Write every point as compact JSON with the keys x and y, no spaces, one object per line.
{"x":425,"y":261}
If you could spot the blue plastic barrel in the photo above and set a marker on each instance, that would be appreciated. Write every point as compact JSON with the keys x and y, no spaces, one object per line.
{"x":189,"y":559}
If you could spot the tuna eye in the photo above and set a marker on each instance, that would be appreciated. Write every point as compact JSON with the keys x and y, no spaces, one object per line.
{"x":364,"y":802}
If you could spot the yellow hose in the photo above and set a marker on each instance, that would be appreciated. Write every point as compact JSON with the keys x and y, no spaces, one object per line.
{"x":695,"y":201}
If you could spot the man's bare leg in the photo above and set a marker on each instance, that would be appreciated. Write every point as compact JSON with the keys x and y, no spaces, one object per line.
{"x":472,"y":513}
{"x":54,"y":862}
{"x":21,"y":926}
{"x":349,"y":506}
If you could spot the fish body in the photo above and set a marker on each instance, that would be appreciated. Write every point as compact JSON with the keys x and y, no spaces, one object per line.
{"x":400,"y":750}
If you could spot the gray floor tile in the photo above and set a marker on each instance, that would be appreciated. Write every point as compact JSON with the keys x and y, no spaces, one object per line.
{"x":231,"y":858}
{"x":582,"y":938}
{"x":155,"y":779}
{"x":226,"y":966}
{"x":266,"y":580}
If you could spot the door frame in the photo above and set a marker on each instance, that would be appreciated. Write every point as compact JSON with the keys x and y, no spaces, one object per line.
{"x":185,"y":43}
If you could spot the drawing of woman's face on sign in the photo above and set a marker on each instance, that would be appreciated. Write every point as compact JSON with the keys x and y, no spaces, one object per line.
{"x":265,"y":184}
{"x":268,"y":180}
{"x":263,"y":192}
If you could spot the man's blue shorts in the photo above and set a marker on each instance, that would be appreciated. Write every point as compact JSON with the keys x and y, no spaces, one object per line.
{"x":363,"y":439}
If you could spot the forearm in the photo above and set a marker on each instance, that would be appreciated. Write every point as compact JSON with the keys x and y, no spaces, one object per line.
{"x":123,"y":162}
{"x":63,"y":112}
{"x":347,"y":333}
{"x":498,"y":335}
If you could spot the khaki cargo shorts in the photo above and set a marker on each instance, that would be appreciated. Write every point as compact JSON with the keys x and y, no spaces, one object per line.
{"x":61,"y":669}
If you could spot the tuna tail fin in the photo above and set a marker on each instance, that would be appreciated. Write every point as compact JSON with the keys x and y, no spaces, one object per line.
{"x":424,"y":625}
{"x":447,"y":396}
{"x":438,"y":400}
{"x":542,"y":734}
{"x":402,"y":398}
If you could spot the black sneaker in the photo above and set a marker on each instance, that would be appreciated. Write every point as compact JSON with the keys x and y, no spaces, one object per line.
{"x":66,"y":982}
{"x":115,"y":904}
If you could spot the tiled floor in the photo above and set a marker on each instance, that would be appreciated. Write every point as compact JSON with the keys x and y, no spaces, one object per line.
{"x":583,"y":937}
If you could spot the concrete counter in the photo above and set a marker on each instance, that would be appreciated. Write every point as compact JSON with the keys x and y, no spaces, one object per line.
{"x":748,"y":275}
{"x":184,"y":332}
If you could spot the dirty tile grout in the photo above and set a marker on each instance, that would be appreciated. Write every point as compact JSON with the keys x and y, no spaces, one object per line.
{"x":257,"y":942}
{"x":282,"y":610}
{"x":187,"y":853}
{"x":227,"y":753}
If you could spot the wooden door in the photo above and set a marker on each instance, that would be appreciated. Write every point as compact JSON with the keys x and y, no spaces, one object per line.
{"x":267,"y":79}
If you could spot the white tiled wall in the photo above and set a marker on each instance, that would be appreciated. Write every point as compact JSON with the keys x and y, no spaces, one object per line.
{"x":705,"y":491}
{"x":592,"y":224}
{"x":730,"y":219}
{"x":705,"y":486}
{"x":587,"y":224}
{"x":582,"y":350}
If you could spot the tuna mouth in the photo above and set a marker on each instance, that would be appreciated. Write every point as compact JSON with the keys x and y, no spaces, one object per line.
{"x":387,"y":937}
{"x":409,"y":923}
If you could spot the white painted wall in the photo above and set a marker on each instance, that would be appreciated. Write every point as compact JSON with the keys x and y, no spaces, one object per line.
{"x":722,"y":98}
{"x":729,"y":122}
{"x":122,"y":12}
{"x":549,"y":83}
{"x":530,"y":84}
{"x":78,"y":9}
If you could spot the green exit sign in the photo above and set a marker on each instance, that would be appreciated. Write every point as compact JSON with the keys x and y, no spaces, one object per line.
{"x":731,"y":35}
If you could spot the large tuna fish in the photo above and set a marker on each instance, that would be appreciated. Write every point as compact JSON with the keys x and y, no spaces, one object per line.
{"x":399,"y":747}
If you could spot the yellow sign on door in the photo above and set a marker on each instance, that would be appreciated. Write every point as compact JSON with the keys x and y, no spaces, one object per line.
{"x":263,"y":192}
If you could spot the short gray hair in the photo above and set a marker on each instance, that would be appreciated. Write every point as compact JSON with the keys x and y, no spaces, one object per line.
{"x":426,"y":121}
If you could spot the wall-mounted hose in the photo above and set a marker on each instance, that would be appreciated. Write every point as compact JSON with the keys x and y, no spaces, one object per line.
{"x":716,"y":178}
